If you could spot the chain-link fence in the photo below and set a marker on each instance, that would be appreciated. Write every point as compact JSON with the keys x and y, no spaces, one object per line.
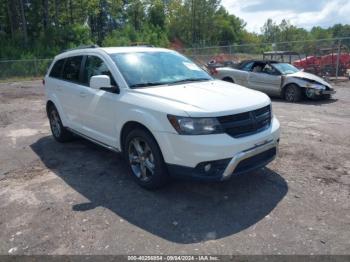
{"x":12,"y":69}
{"x":326,"y":57}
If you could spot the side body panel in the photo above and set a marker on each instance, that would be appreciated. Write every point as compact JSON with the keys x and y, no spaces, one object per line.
{"x":238,"y":76}
{"x":269,"y":84}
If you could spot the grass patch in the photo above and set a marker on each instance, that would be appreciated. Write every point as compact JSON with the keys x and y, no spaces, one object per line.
{"x":20,"y":79}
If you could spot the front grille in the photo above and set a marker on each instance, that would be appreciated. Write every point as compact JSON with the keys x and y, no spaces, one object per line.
{"x":248,"y":123}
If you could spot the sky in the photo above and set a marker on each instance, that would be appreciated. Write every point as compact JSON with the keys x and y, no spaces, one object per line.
{"x":302,"y":13}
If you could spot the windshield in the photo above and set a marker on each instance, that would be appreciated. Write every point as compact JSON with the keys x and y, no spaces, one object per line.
{"x":141,"y":69}
{"x":285,"y":68}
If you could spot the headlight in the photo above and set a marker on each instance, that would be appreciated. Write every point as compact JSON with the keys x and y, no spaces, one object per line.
{"x":195,"y":126}
{"x":271,"y":112}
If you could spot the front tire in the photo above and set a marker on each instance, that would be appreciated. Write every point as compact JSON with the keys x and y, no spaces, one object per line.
{"x":293,"y":93}
{"x":59,"y":132}
{"x":145,"y":159}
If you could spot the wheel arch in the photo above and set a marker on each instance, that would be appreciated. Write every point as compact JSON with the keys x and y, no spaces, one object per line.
{"x":53,"y":101}
{"x":49,"y":104}
{"x":126,"y":129}
{"x":290,"y":84}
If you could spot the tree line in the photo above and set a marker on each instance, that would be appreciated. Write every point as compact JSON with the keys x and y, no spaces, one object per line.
{"x":42,"y":28}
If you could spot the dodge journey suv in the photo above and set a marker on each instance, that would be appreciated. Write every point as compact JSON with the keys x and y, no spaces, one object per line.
{"x":166,"y":115}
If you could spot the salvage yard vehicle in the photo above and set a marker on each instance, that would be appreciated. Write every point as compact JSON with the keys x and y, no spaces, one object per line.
{"x":167,"y":116}
{"x":276,"y":79}
{"x":324,"y":61}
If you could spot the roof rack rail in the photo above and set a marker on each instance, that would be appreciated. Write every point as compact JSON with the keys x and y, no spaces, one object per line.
{"x":141,"y":44}
{"x":82,"y":47}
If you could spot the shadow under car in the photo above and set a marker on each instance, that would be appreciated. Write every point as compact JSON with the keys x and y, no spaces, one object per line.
{"x":183,"y":212}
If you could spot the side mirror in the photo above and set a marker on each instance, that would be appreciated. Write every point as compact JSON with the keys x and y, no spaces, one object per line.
{"x":103,"y":82}
{"x":100,"y":81}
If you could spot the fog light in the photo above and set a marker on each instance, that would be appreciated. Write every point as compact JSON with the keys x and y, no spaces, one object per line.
{"x":212,"y":168}
{"x":207,"y":167}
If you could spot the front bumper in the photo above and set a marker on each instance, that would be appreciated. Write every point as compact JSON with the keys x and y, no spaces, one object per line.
{"x":325,"y":92}
{"x":250,"y":153}
{"x":243,"y":162}
{"x":320,"y":92}
{"x":187,"y":156}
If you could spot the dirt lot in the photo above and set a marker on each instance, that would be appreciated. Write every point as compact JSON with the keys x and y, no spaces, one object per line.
{"x":78,"y":198}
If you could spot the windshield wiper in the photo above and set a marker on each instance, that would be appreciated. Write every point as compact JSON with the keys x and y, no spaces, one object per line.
{"x":147,"y":84}
{"x":168,"y":83}
{"x":189,"y":80}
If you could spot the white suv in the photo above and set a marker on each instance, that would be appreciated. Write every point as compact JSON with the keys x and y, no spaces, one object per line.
{"x":164,"y":113}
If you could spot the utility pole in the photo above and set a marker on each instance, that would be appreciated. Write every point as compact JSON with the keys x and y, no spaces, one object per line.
{"x":192,"y":22}
{"x":24,"y":23}
{"x":338,"y":57}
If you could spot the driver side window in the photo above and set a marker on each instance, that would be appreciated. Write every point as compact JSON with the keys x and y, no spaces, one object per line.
{"x":268,"y":69}
{"x":258,"y":68}
{"x":95,"y":66}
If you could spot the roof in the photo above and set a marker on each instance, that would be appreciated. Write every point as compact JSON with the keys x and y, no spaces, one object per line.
{"x":110,"y":50}
{"x":113,"y":50}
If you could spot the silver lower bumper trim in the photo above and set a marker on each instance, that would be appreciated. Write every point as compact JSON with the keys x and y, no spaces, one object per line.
{"x":322,"y":91}
{"x":327,"y":92}
{"x":246,"y":154}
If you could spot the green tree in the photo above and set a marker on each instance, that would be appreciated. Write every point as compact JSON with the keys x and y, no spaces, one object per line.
{"x":270,"y":31}
{"x":156,"y":14}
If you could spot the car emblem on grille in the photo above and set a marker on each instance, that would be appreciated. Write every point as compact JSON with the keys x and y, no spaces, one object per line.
{"x":253,"y":118}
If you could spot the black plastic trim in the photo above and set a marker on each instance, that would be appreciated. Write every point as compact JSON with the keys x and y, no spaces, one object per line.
{"x":191,"y":173}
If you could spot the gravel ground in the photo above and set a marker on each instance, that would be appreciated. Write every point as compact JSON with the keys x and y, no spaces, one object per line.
{"x":78,"y":198}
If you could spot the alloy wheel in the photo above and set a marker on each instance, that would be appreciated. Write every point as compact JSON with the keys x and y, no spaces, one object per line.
{"x":55,"y":123}
{"x":290,"y":94}
{"x":141,"y":159}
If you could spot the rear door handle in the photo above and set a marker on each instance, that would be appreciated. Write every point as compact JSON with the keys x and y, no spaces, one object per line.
{"x":83,"y":94}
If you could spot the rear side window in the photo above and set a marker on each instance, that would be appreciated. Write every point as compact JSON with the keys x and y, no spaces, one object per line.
{"x":95,"y":66}
{"x":71,"y":71}
{"x":57,"y":69}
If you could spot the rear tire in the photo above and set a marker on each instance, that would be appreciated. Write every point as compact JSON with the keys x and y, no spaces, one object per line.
{"x":59,"y":132}
{"x":145,"y":160}
{"x":293,"y":93}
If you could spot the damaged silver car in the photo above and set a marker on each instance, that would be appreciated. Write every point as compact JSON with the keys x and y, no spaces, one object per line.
{"x":276,"y":79}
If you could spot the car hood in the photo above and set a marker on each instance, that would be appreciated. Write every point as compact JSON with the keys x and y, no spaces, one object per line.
{"x":309,"y":76}
{"x":207,"y":98}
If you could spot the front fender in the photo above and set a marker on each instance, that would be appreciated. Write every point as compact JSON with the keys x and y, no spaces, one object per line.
{"x":155,"y":122}
{"x":152,"y":122}
{"x":304,"y":84}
